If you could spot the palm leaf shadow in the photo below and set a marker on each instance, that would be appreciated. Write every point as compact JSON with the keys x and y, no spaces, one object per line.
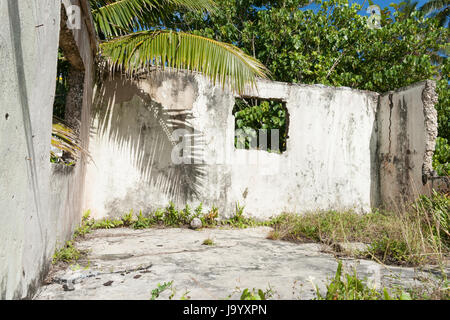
{"x":146,"y":133}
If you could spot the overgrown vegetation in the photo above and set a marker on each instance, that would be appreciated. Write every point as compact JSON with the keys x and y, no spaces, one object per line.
{"x":345,"y":286}
{"x":160,"y":288}
{"x":68,"y":253}
{"x":252,"y":115}
{"x":333,"y":45}
{"x":167,"y":217}
{"x":208,"y":242}
{"x":413,"y":237}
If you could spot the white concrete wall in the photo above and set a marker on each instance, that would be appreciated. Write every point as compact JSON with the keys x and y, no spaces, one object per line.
{"x":407,"y":124}
{"x":29,"y":42}
{"x":39,"y":205}
{"x":330,"y":156}
{"x":329,"y":163}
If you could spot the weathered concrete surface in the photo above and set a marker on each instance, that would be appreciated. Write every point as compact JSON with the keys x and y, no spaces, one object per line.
{"x":407,"y":123}
{"x":28,"y":54}
{"x":329,"y":162}
{"x":136,"y":261}
{"x":34,"y":220}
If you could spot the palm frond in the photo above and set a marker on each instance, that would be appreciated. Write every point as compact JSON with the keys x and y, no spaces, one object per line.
{"x":433,"y":5}
{"x":222,"y":63}
{"x":64,"y":139}
{"x":119,"y":17}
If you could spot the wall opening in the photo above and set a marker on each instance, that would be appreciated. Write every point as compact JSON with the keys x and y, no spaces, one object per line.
{"x":261,"y":124}
{"x":67,"y":105}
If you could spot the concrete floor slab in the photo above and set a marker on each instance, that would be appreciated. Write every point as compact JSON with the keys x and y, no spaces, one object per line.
{"x":128,"y":264}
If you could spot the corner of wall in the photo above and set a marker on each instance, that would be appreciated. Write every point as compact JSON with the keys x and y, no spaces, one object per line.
{"x":407,"y":123}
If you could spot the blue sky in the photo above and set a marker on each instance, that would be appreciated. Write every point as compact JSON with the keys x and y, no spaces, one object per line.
{"x":381,"y":3}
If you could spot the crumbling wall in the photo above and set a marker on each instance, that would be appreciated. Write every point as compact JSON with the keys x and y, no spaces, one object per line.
{"x":330,"y":161}
{"x":39,"y":207}
{"x":407,"y":122}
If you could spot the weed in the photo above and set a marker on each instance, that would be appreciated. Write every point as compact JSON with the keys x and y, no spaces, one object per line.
{"x":391,"y":251}
{"x":185,"y":296}
{"x":107,"y":223}
{"x":350,"y":287}
{"x":68,"y":253}
{"x":256,"y":294}
{"x":158,"y":216}
{"x":239,"y":220}
{"x":160,"y":288}
{"x":171,"y":216}
{"x":185,"y":215}
{"x":433,"y":289}
{"x":208,"y":242}
{"x":142,"y":222}
{"x":199,"y":210}
{"x":127,"y":219}
{"x":210,"y":218}
{"x":413,"y":237}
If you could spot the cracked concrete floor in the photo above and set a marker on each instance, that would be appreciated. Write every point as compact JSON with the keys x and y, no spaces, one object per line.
{"x":127,"y":264}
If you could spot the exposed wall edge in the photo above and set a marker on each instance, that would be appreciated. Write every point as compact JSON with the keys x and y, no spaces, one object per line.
{"x":429,"y":99}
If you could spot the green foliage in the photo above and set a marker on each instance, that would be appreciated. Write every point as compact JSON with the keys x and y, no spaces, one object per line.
{"x":439,"y":9}
{"x":210,"y":218}
{"x":252,"y":115}
{"x":441,"y":158}
{"x":136,"y":38}
{"x":186,"y":215}
{"x":116,"y":18}
{"x":239,"y":220}
{"x":350,"y":287}
{"x":160,"y":289}
{"x":107,"y":223}
{"x":416,"y":236}
{"x":127,"y":219}
{"x":62,"y":86}
{"x":171,"y":217}
{"x":334,"y":46}
{"x":208,"y":242}
{"x":436,"y":209}
{"x":255,"y":294}
{"x":142,"y":222}
{"x":392,"y":251}
{"x":68,"y":253}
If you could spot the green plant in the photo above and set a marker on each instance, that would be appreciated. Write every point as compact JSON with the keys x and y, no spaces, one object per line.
{"x":171,"y":215}
{"x":66,"y":141}
{"x":198,"y":210}
{"x":391,"y":251}
{"x":160,"y":288}
{"x":208,"y":242}
{"x":127,"y":219}
{"x":185,"y":296}
{"x":436,"y":211}
{"x":142,"y":222}
{"x":185,"y":215}
{"x":107,"y":223}
{"x":135,"y":36}
{"x":441,"y":158}
{"x":255,"y":294}
{"x":252,"y":115}
{"x":349,"y":288}
{"x":68,"y":253}
{"x":331,"y":44}
{"x":209,"y":218}
{"x":415,"y":236}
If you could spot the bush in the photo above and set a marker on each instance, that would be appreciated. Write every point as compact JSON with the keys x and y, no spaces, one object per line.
{"x":441,"y":157}
{"x":413,"y":237}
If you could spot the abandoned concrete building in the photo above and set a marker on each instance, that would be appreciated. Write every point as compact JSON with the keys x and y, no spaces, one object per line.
{"x":345,"y":148}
